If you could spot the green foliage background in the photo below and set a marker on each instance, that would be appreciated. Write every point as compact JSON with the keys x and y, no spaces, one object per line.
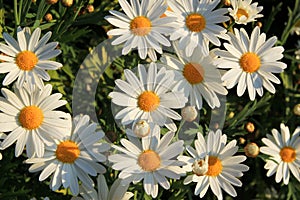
{"x":79,"y":31}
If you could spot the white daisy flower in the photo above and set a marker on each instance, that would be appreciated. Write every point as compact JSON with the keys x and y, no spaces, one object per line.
{"x":152,"y":159}
{"x":148,"y":97}
{"x":141,"y":27}
{"x":2,"y":136}
{"x":284,"y":152}
{"x":213,"y":165}
{"x":244,"y":12}
{"x":31,"y":118}
{"x":73,"y":157}
{"x":251,"y":62}
{"x":196,"y":24}
{"x":196,"y":77}
{"x":28,"y":58}
{"x":117,"y":191}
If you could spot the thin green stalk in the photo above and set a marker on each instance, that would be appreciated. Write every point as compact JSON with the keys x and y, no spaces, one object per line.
{"x":20,"y":10}
{"x":16,"y":12}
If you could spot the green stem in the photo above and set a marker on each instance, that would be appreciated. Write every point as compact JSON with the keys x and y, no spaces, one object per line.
{"x":16,"y":12}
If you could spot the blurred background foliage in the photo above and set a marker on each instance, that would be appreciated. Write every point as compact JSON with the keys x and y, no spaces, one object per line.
{"x":79,"y":26}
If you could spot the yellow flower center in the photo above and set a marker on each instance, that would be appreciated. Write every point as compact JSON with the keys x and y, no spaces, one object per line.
{"x":193,"y":73}
{"x":287,"y":154}
{"x":67,"y":152}
{"x":250,"y":62}
{"x":149,"y":160}
{"x":148,"y":101}
{"x":26,"y":60}
{"x":242,"y":12}
{"x":31,"y":117}
{"x":140,"y":26}
{"x":195,"y":22}
{"x":214,"y":166}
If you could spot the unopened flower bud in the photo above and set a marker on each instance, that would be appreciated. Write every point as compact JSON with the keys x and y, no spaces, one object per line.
{"x":227,"y":2}
{"x":259,"y":24}
{"x":48,"y":17}
{"x":231,"y":115}
{"x":189,"y":113}
{"x":251,"y":150}
{"x":242,"y":140}
{"x":141,"y":129}
{"x":67,"y":3}
{"x":250,"y":127}
{"x":297,"y":109}
{"x":90,"y":8}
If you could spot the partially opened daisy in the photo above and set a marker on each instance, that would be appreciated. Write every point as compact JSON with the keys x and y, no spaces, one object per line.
{"x":152,"y":159}
{"x":141,"y":27}
{"x":196,"y":77}
{"x":148,"y":96}
{"x":31,"y":118}
{"x":244,"y":12}
{"x":284,"y":152}
{"x":27,"y":59}
{"x":117,"y":191}
{"x":251,"y":62}
{"x":73,"y":157}
{"x":196,"y":24}
{"x":2,"y":136}
{"x":213,"y":165}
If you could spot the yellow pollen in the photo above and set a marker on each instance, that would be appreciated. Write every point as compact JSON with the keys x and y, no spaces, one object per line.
{"x":287,"y":154}
{"x":148,"y":101}
{"x":214,"y":166}
{"x":31,"y":117}
{"x":242,"y":12}
{"x":67,"y":152}
{"x":149,"y":160}
{"x":250,"y":62}
{"x":140,"y":25}
{"x":193,"y":73}
{"x":195,"y":22}
{"x":26,"y":60}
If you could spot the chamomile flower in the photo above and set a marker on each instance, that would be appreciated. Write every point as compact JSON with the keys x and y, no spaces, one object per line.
{"x":141,"y":26}
{"x":284,"y":152}
{"x":152,"y":159}
{"x":31,"y":118}
{"x":74,"y":156}
{"x":251,"y":62}
{"x":244,"y":12}
{"x":27,"y":59}
{"x":213,"y":165}
{"x":148,"y":97}
{"x":196,"y":77}
{"x":196,"y":24}
{"x":117,"y":191}
{"x":2,"y":136}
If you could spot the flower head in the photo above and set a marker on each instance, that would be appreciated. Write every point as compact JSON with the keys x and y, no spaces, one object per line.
{"x":251,"y":62}
{"x":141,"y":27}
{"x":31,"y":118}
{"x":148,"y":97}
{"x":196,"y":24}
{"x":213,"y":165}
{"x":73,"y":157}
{"x":284,"y":154}
{"x":244,"y":12}
{"x":152,"y":159}
{"x":196,"y":76}
{"x":27,"y":59}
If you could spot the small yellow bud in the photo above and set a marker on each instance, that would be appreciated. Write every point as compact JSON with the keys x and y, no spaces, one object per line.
{"x":250,"y":127}
{"x":48,"y":17}
{"x":90,"y":8}
{"x":67,"y":3}
{"x":259,"y":24}
{"x":51,"y":2}
{"x":242,"y":140}
{"x":297,"y":109}
{"x":251,"y":150}
{"x":227,"y":2}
